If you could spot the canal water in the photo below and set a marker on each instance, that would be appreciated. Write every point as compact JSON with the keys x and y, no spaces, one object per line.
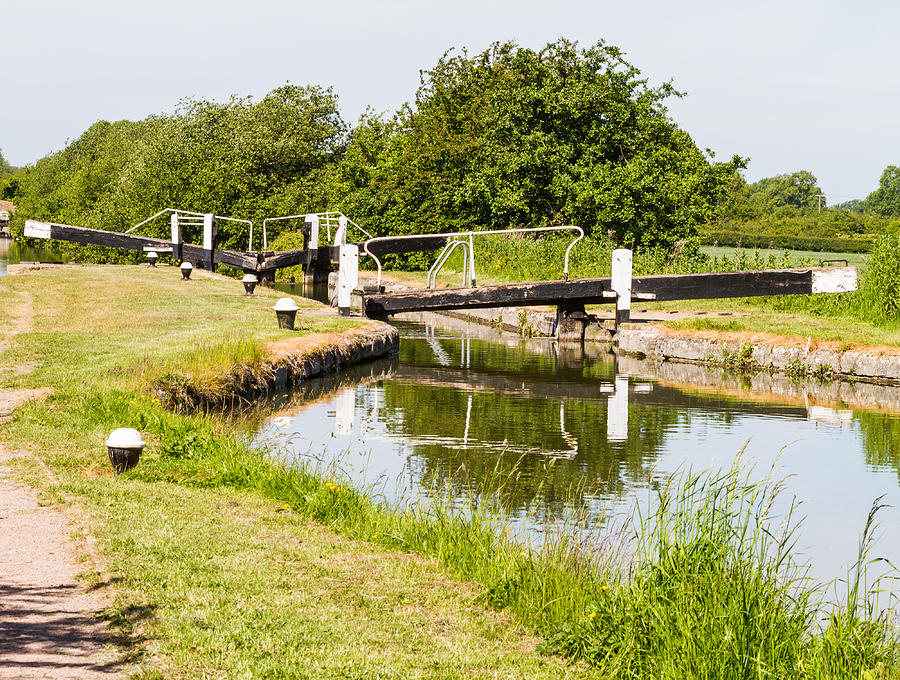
{"x":574,"y":434}
{"x":14,"y":252}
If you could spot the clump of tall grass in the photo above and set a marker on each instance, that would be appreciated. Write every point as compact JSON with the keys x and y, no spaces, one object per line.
{"x":715,"y":590}
{"x":878,"y":297}
{"x":705,"y":584}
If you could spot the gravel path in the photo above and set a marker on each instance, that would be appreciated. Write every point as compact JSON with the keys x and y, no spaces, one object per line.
{"x":48,"y":624}
{"x":48,"y":627}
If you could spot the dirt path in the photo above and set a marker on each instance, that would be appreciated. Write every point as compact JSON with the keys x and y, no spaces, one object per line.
{"x":48,"y":623}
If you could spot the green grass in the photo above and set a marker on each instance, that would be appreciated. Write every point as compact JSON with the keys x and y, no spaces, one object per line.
{"x":800,"y":257}
{"x":221,"y":574}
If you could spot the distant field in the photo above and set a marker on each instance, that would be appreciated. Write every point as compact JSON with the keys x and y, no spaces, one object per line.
{"x":797,"y":256}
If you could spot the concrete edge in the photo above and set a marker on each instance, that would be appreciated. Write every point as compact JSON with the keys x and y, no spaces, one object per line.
{"x":284,"y":370}
{"x":852,"y":364}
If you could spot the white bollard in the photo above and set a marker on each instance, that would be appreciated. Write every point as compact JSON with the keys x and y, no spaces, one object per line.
{"x":621,"y":284}
{"x":348,"y":276}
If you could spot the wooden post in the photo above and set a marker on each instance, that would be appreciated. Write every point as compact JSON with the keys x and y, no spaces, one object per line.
{"x":571,"y":321}
{"x":348,"y":276}
{"x":210,"y":232}
{"x":621,"y":284}
{"x":176,"y":237}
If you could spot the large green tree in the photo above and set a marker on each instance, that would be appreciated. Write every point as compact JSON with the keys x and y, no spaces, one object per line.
{"x":885,"y":200}
{"x":798,"y":190}
{"x":514,"y":137}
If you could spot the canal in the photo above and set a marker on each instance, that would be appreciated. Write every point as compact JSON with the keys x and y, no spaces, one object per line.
{"x":570,"y":433}
{"x":14,"y":252}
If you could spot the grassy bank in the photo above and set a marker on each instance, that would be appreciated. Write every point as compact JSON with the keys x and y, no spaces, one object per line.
{"x":229,"y":564}
{"x":216,"y":573}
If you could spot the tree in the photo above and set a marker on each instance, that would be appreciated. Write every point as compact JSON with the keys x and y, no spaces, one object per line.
{"x":5,"y":167}
{"x":885,"y":200}
{"x":244,"y":158}
{"x":796,"y":190}
{"x":519,"y":138}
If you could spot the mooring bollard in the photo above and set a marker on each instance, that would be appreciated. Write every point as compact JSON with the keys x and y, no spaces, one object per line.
{"x":249,"y":282}
{"x":186,"y":269}
{"x":124,"y":447}
{"x":286,"y":311}
{"x":151,"y":258}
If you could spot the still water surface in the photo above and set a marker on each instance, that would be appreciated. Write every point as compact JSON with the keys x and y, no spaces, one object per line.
{"x":13,"y":252}
{"x":592,"y":434}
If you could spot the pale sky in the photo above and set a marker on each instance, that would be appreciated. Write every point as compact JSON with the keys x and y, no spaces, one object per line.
{"x":793,"y":85}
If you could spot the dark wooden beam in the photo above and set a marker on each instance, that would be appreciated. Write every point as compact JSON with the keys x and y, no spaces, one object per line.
{"x":598,"y":291}
{"x":114,"y":239}
{"x":725,"y":284}
{"x":590,"y":291}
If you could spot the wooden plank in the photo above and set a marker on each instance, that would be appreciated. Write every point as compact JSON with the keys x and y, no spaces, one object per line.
{"x":597,"y":291}
{"x":114,"y":239}
{"x":590,"y":291}
{"x":287,"y":258}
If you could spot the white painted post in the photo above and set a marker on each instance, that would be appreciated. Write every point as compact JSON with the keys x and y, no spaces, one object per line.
{"x":208,"y":222}
{"x":313,"y":222}
{"x":621,"y":284}
{"x":176,"y":237}
{"x":348,"y":276}
{"x":176,"y":230}
{"x":617,"y":411}
{"x":471,"y":262}
{"x":340,"y":238}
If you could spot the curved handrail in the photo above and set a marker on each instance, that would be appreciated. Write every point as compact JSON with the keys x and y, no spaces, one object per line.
{"x":442,"y":260}
{"x":329,"y":216}
{"x":235,"y":219}
{"x":276,"y":219}
{"x":470,"y":234}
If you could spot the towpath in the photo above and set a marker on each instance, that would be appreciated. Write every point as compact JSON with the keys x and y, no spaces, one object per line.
{"x":49,"y":625}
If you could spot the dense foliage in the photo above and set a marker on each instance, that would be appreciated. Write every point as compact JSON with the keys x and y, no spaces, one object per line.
{"x":511,"y":137}
{"x":243,"y":158}
{"x":519,"y":138}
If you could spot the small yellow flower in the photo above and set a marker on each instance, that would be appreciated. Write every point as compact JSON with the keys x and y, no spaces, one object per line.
{"x":592,"y":615}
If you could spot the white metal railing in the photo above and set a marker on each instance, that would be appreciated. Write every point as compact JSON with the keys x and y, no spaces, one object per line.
{"x":469,"y":236}
{"x":276,"y":219}
{"x":326,"y":219}
{"x":335,"y":219}
{"x":448,"y":250}
{"x":191,"y":218}
{"x":163,"y":212}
